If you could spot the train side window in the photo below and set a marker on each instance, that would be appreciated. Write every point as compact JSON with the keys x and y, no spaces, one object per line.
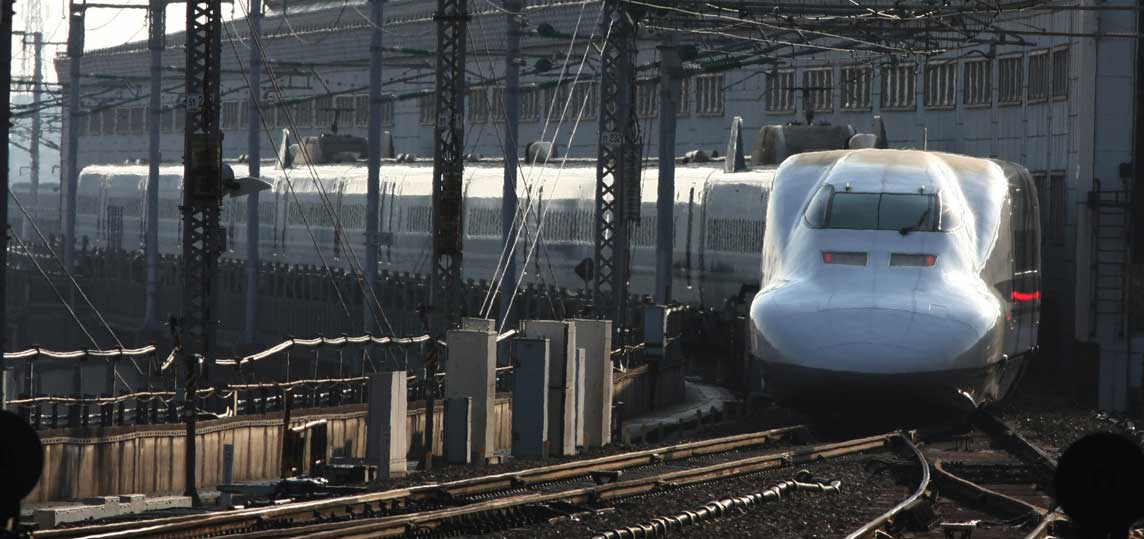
{"x":816,"y":211}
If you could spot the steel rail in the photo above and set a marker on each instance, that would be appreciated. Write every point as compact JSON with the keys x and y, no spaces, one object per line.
{"x":1009,"y":506}
{"x":1044,"y":465}
{"x":429,"y":521}
{"x":872,"y":528}
{"x":191,"y":526}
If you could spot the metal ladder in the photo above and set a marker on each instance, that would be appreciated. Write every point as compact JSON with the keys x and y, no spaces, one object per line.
{"x":1111,"y":224}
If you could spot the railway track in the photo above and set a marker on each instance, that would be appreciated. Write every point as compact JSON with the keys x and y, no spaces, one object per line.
{"x":988,"y":483}
{"x":409,"y":502}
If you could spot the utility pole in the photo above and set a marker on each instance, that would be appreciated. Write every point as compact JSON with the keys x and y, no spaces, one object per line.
{"x":202,"y":200}
{"x":669,"y":72}
{"x":6,"y":14}
{"x":511,"y":146}
{"x":155,"y":43}
{"x":373,"y":182}
{"x":448,"y":169}
{"x":254,"y":166}
{"x":37,"y":127}
{"x":617,"y":167}
{"x":71,"y":167}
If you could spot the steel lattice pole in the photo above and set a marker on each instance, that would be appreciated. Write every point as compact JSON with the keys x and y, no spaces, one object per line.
{"x":617,"y":167}
{"x":202,"y":198}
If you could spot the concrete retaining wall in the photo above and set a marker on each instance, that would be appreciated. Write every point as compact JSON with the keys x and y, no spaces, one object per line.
{"x":148,"y":459}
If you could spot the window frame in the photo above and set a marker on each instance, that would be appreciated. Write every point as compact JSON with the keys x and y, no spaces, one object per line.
{"x":909,"y":86}
{"x":1045,"y":56}
{"x":719,"y":90}
{"x":813,"y":96}
{"x":1063,"y":94}
{"x":949,"y":67}
{"x":867,"y":102}
{"x":986,"y":87}
{"x":773,"y":89}
{"x":1019,"y":90}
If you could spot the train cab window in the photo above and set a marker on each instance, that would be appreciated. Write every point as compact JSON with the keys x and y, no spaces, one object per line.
{"x":875,"y":211}
{"x":816,"y":211}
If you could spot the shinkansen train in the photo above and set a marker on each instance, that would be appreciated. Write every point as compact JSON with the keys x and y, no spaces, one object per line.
{"x":718,"y":221}
{"x":878,"y":272}
{"x":897,"y":276}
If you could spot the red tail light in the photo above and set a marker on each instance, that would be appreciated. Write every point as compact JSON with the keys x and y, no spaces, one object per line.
{"x":848,"y":259}
{"x":1025,"y":296}
{"x":899,"y":259}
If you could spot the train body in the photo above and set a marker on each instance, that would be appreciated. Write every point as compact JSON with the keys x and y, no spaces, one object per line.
{"x":718,"y":221}
{"x":897,"y":276}
{"x":938,"y":298}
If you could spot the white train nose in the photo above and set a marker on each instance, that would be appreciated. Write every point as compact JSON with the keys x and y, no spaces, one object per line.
{"x":908,"y":332}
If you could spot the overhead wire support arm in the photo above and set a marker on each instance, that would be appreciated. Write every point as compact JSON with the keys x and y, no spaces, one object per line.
{"x":617,"y":165}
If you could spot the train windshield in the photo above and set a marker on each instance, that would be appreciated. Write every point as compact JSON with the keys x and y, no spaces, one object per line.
{"x":904,"y":212}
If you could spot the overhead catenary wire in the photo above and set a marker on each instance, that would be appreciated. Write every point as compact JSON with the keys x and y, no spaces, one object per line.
{"x":324,"y":197}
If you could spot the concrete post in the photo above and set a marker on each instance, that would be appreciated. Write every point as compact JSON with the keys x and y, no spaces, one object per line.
{"x":578,"y":383}
{"x":471,"y":372}
{"x":458,"y":430}
{"x":595,"y":337}
{"x":530,"y":398}
{"x":386,"y":439}
{"x":155,"y":43}
{"x":71,"y":166}
{"x":37,"y":130}
{"x":669,"y":90}
{"x":513,"y":9}
{"x":254,"y":166}
{"x":373,"y":182}
{"x":227,"y":474}
{"x":561,"y":369}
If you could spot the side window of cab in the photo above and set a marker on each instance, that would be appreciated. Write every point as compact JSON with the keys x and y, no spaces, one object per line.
{"x":819,"y":206}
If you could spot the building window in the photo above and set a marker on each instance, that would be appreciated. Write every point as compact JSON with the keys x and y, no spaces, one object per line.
{"x":303,"y":113}
{"x":975,"y":88}
{"x":361,"y":111}
{"x":683,"y":105}
{"x":122,"y":121}
{"x":818,"y":89}
{"x":344,"y":114}
{"x":244,"y":114}
{"x":1057,"y":207}
{"x":107,"y":120}
{"x":855,"y":88}
{"x":282,"y":115}
{"x":427,"y":109}
{"x":91,"y":122}
{"x":137,"y":123}
{"x":939,"y":84}
{"x":710,"y":94}
{"x":166,"y":120}
{"x":529,"y":104}
{"x":180,"y":116}
{"x":478,"y":105}
{"x":1010,"y":80}
{"x":581,"y":91}
{"x":496,"y":105}
{"x":898,"y":86}
{"x":81,"y":124}
{"x":1061,"y":73}
{"x":230,"y":115}
{"x":647,"y":99}
{"x":1039,"y":76}
{"x":780,"y":90}
{"x":323,"y":111}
